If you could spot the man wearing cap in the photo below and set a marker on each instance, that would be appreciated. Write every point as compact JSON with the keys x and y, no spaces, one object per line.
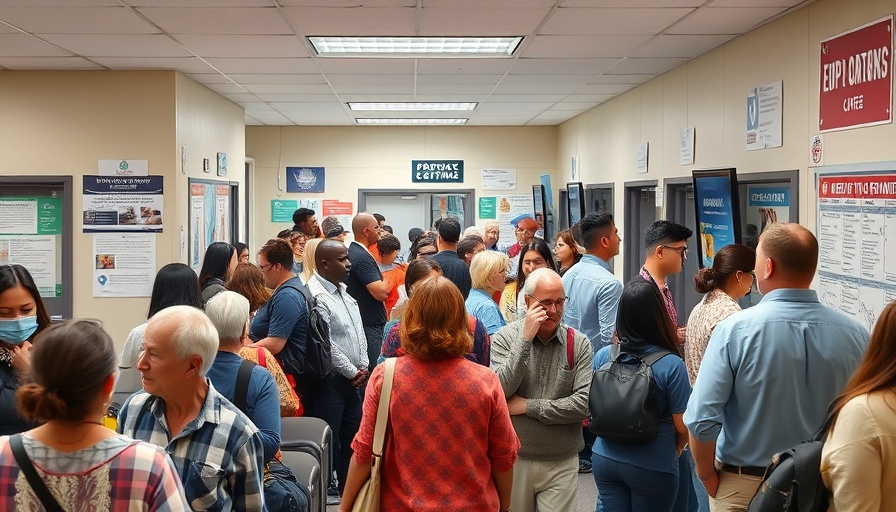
{"x":332,"y":229}
{"x":306,"y":222}
{"x":525,"y":233}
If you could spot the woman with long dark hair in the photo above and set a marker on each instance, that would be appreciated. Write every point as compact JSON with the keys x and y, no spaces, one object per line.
{"x":858,"y":462}
{"x":567,"y":251}
{"x":22,"y":317}
{"x":533,"y":255}
{"x":636,"y":477}
{"x":217,"y":265}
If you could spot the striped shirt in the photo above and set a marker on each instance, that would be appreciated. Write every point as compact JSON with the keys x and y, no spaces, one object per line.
{"x":117,"y":473}
{"x":218,"y":455}
{"x":340,"y":311}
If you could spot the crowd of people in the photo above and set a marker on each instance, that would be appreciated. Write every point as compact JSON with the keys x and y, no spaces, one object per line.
{"x":495,"y":350}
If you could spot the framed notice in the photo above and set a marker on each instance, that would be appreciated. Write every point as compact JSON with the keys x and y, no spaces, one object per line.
{"x":717,"y":210}
{"x":575,"y":197}
{"x":856,"y":82}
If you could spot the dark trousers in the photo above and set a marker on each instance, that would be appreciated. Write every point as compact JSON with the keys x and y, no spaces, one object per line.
{"x":340,"y":406}
{"x":374,"y":335}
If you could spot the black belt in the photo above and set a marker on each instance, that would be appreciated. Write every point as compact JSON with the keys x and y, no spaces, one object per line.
{"x":741,"y":470}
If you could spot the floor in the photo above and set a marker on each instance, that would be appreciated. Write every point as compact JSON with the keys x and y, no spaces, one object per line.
{"x":585,"y":499}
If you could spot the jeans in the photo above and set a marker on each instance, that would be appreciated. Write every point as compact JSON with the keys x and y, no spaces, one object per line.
{"x":625,"y":487}
{"x":374,"y":335}
{"x":340,"y":404}
{"x":700,"y":495}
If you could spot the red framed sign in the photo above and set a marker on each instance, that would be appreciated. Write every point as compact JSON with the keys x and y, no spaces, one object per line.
{"x":856,"y":80}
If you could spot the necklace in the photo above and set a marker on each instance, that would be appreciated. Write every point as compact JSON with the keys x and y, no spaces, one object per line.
{"x":86,"y":432}
{"x":6,"y":356}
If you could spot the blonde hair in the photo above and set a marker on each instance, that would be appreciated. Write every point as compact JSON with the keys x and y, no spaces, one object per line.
{"x":308,"y":264}
{"x":485,"y":265}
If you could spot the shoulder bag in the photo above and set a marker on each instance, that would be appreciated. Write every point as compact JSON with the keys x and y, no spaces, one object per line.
{"x":368,"y":498}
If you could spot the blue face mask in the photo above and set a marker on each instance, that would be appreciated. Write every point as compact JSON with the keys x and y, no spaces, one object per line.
{"x":17,"y":330}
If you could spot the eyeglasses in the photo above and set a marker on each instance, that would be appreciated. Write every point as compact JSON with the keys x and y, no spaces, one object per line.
{"x":265,"y":267}
{"x":683,"y":251}
{"x":550,"y":304}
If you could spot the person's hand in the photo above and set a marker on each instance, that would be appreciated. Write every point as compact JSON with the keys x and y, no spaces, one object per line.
{"x":535,"y":316}
{"x":360,"y":378}
{"x":516,"y":405}
{"x":21,"y":357}
{"x":711,"y":484}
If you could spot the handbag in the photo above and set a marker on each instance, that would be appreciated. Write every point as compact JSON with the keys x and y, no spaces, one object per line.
{"x":34,"y":480}
{"x":290,"y":400}
{"x":368,"y":498}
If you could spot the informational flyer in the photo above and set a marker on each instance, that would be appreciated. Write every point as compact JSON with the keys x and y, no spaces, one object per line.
{"x":510,"y":207}
{"x":856,"y":223}
{"x":342,"y":210}
{"x":282,"y":209}
{"x":766,"y":204}
{"x":124,"y":265}
{"x":716,"y":210}
{"x":122,"y":204}
{"x":765,"y":114}
{"x":197,"y":226}
{"x":38,"y":255}
{"x":499,"y":179}
{"x":30,"y":235}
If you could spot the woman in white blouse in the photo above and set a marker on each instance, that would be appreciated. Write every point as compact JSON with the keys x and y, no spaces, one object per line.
{"x":729,"y":279}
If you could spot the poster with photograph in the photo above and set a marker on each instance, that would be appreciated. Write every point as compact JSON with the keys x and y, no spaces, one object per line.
{"x":718,"y":222}
{"x":124,"y":265}
{"x":509,"y":208}
{"x":210,"y":217}
{"x":122,"y":204}
{"x":766,"y":204}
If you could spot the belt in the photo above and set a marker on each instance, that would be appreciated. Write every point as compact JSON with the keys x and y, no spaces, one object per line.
{"x":741,"y":470}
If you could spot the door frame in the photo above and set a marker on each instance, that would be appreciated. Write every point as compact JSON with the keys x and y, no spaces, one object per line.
{"x":632,"y":216}
{"x":469,"y":198}
{"x":682,"y":281}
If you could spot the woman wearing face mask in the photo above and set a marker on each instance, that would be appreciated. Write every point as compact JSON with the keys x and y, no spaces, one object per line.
{"x":22,"y":316}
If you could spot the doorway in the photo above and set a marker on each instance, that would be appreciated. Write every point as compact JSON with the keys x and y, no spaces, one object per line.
{"x":406,"y":209}
{"x":680,"y":209}
{"x":640,"y":213}
{"x":599,"y":198}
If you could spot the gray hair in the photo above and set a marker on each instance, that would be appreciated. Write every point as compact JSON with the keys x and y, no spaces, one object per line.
{"x":229,"y":312}
{"x":471,"y":230}
{"x":537,"y":276}
{"x":195,"y":334}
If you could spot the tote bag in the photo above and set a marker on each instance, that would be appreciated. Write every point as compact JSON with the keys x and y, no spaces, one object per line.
{"x":368,"y":499}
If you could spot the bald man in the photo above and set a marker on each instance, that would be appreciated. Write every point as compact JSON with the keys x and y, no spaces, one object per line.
{"x":365,"y":283}
{"x":339,"y":399}
{"x":770,"y":371}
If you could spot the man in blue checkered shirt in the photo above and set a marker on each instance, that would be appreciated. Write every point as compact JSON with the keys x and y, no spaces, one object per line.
{"x":216,"y":449}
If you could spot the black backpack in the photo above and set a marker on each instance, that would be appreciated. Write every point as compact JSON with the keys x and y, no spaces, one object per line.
{"x":793,"y":481}
{"x":316,"y":363}
{"x":622,"y":399}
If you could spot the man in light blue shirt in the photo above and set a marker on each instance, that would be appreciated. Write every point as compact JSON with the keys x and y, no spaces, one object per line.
{"x":769,"y":372}
{"x":593,"y":291}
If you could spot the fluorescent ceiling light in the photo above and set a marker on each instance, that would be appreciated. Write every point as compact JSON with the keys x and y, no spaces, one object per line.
{"x":411,"y":106}
{"x":399,"y":120}
{"x":414,"y":47}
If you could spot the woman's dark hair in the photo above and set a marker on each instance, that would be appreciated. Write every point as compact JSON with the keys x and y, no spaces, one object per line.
{"x":417,"y":270}
{"x":240,"y":247}
{"x":277,"y":250}
{"x":728,"y":260}
{"x":541,"y":247}
{"x":175,"y":285}
{"x":424,"y":241}
{"x":12,"y":276}
{"x":642,"y":317}
{"x":70,"y":362}
{"x":216,"y":262}
{"x":468,"y":244}
{"x":388,"y":244}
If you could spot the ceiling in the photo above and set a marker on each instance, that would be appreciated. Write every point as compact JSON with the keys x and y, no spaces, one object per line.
{"x":575,"y":54}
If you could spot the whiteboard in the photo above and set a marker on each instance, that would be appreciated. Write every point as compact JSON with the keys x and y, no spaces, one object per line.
{"x":856,"y":229}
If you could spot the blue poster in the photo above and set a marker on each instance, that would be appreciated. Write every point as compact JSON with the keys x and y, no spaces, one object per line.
{"x":305,"y":180}
{"x":715,"y":215}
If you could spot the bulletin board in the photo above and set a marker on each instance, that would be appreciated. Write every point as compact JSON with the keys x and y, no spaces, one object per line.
{"x":856,"y":229}
{"x":213,"y":212}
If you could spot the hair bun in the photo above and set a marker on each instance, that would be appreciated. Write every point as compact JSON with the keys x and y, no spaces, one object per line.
{"x":705,"y":280}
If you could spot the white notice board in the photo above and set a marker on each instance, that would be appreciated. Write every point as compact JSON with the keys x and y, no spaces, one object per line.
{"x":856,"y":229}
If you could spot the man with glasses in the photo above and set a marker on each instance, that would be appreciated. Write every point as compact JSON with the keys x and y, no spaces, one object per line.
{"x":546,"y":384}
{"x":667,"y":249}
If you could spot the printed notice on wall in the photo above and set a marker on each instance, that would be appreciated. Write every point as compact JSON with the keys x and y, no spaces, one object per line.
{"x":30,"y":232}
{"x":509,"y":208}
{"x":765,"y":114}
{"x":122,"y":204}
{"x":124,"y":265}
{"x":499,"y":179}
{"x":856,"y":225}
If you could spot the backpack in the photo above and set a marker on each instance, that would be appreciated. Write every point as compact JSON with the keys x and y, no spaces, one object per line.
{"x":622,"y":399}
{"x":316,"y":362}
{"x":793,"y":481}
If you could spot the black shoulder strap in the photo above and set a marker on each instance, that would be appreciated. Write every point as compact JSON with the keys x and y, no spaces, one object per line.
{"x":34,"y":480}
{"x":242,"y":384}
{"x":654,"y":357}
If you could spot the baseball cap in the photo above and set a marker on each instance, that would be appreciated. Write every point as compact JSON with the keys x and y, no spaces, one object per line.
{"x":331,"y":227}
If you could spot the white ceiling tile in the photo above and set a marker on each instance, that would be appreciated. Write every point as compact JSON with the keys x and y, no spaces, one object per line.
{"x":226,"y":88}
{"x":137,"y":45}
{"x":399,"y":80}
{"x":366,"y":66}
{"x":223,"y":20}
{"x":47,"y":63}
{"x":633,"y":3}
{"x":492,"y":4}
{"x":251,"y":121}
{"x":577,"y":47}
{"x":322,"y":120}
{"x":490,"y":109}
{"x":526,"y":98}
{"x":263,"y":65}
{"x":62,"y":3}
{"x":498,"y":120}
{"x":276,"y":79}
{"x":454,"y":89}
{"x":209,"y":78}
{"x":348,"y":3}
{"x":724,"y":20}
{"x":639,"y":66}
{"x":588,"y":98}
{"x":621,"y":79}
{"x":243,"y":45}
{"x":480,"y":21}
{"x":198,"y":3}
{"x":537,"y":88}
{"x":287,"y":98}
{"x":274,"y":118}
{"x":352,"y":21}
{"x":451,"y":98}
{"x":384,"y":98}
{"x":603,"y":89}
{"x":76,"y":20}
{"x":362,"y":88}
{"x":185,"y":65}
{"x":288,"y":88}
{"x":570,"y":106}
{"x":325,"y":109}
{"x":241,"y":98}
{"x":755,"y":3}
{"x":566,"y":21}
{"x":546,"y":79}
{"x":22,"y":45}
{"x":463,"y":66}
{"x":458,"y":79}
{"x":524,"y":66}
{"x":687,"y":46}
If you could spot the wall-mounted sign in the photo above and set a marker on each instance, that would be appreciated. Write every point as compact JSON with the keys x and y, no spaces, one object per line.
{"x":488,"y":207}
{"x":498,"y":179}
{"x":222,"y":164}
{"x":437,"y":171}
{"x":282,"y":209}
{"x":718,"y":212}
{"x":123,"y":167}
{"x":856,"y":85}
{"x":765,"y":112}
{"x":123,"y":203}
{"x":305,"y":180}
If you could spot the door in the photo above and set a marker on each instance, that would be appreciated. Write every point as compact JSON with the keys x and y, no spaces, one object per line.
{"x":599,"y":198}
{"x":640,"y":213}
{"x":680,"y":209}
{"x":402,"y":212}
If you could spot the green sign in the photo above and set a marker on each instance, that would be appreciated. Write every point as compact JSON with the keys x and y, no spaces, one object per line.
{"x":488,"y":207}
{"x":282,"y":209}
{"x":437,"y":171}
{"x":49,"y":216}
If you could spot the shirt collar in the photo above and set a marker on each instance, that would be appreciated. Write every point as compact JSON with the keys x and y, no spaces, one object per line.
{"x":559,"y":334}
{"x":363,"y":247}
{"x":790,"y":295}
{"x":596,"y":259}
{"x":327,"y":285}
{"x":209,"y":413}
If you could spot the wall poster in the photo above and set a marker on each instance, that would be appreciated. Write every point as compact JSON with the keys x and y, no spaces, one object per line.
{"x":856,"y":225}
{"x":718,"y":212}
{"x":210,"y":217}
{"x":123,"y":204}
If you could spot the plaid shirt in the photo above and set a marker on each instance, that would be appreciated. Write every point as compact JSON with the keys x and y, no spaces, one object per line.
{"x":667,"y":296}
{"x":218,"y":455}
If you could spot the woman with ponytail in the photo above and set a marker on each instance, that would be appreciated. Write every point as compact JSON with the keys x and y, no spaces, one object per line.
{"x":83,"y":464}
{"x":727,"y":281}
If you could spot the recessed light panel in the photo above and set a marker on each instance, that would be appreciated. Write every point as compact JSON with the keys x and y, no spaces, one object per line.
{"x":412,"y":121}
{"x":414,"y":47}
{"x":411,"y":106}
